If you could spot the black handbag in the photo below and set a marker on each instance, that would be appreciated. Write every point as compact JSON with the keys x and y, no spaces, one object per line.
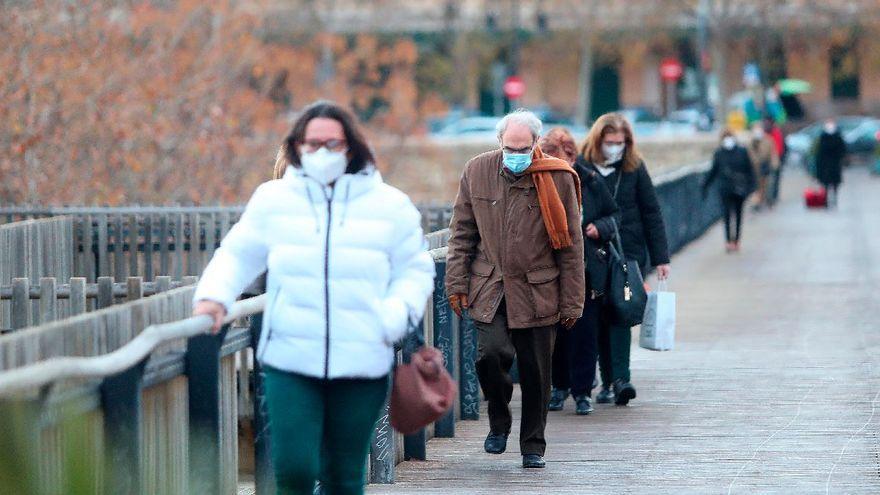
{"x":626,"y":291}
{"x":626,"y":295}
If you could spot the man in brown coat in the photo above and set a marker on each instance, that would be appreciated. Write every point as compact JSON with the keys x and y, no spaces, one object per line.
{"x":516,"y":262}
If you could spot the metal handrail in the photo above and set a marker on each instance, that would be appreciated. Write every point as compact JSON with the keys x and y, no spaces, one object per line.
{"x":44,"y":372}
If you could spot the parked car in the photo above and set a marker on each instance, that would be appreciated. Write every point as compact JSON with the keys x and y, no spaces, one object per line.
{"x":863,"y":138}
{"x":646,"y":122}
{"x":693,"y":117}
{"x":477,"y":128}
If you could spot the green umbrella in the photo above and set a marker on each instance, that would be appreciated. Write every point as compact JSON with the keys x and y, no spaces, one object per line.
{"x":794,"y":86}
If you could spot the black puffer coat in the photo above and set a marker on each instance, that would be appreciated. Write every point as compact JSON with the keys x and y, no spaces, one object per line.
{"x":734,"y":172}
{"x":830,"y":152}
{"x":640,"y":220}
{"x":599,"y":209}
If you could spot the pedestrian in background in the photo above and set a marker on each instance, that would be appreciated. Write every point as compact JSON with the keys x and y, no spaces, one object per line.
{"x":347,"y":270}
{"x":733,"y":170}
{"x":516,"y":261}
{"x":764,"y":159}
{"x":775,"y":134}
{"x":830,"y":152}
{"x":611,"y":149}
{"x":576,"y":351}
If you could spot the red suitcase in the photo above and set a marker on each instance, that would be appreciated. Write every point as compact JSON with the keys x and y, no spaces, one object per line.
{"x":816,"y":197}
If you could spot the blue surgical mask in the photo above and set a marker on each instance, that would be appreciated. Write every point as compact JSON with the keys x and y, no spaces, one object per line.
{"x":517,"y":162}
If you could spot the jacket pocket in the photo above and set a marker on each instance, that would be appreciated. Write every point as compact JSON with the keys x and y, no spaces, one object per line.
{"x":544,"y":286}
{"x":485,"y":208}
{"x":267,"y":319}
{"x":481,"y":271}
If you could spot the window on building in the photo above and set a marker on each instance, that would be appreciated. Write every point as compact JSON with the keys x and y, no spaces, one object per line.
{"x":845,"y":69}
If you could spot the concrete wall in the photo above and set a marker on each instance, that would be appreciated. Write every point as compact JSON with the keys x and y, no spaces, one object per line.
{"x":429,"y":171}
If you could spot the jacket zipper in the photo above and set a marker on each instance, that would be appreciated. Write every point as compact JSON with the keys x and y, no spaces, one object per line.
{"x":327,"y":285}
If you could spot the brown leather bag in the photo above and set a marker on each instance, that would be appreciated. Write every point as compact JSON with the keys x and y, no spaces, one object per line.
{"x":423,"y":391}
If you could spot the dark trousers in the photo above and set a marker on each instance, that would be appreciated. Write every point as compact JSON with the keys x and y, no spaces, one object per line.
{"x":614,"y":344}
{"x":775,"y":182}
{"x":733,"y":213}
{"x":831,"y":190}
{"x":321,"y":429}
{"x":533,"y":347}
{"x":576,"y":351}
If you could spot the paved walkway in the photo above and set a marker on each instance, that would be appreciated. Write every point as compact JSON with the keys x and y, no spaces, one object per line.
{"x":773,"y":387}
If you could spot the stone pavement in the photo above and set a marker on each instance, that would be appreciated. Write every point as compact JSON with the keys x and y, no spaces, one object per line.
{"x":772,"y":388}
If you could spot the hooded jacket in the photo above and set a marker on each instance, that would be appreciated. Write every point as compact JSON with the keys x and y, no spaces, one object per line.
{"x":348,"y":268}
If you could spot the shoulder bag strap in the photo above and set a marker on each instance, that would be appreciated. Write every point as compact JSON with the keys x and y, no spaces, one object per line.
{"x":617,"y":185}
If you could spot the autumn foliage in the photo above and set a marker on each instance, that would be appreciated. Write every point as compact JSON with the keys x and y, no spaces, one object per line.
{"x":173,"y":102}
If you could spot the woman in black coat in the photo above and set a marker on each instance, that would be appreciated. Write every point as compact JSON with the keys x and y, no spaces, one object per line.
{"x":732,"y":168}
{"x":830,"y":152}
{"x":610,"y":150}
{"x":576,"y":350}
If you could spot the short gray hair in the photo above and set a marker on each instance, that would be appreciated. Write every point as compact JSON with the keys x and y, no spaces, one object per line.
{"x":522,"y":117}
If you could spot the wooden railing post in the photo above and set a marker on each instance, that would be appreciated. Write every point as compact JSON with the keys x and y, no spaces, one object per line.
{"x":121,"y":404}
{"x":444,"y":340}
{"x":414,"y":446}
{"x":264,"y":476}
{"x":203,"y":373}
{"x":48,"y":300}
{"x":134,"y":288}
{"x":105,"y":292}
{"x":468,"y":383}
{"x":383,"y":448}
{"x":21,"y":303}
{"x":77,"y":296}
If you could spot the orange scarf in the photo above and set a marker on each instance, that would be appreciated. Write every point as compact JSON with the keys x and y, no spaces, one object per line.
{"x":552,"y":209}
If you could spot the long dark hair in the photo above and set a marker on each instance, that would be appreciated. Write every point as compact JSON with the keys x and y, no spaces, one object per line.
{"x":359,"y":152}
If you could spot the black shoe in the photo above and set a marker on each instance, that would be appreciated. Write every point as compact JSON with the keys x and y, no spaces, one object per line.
{"x":605,"y":396}
{"x":624,"y":391}
{"x":533,"y":461}
{"x":496,"y":443}
{"x":557,"y":399}
{"x":583,"y":405}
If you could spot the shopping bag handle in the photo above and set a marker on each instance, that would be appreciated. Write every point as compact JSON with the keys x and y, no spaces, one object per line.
{"x":662,"y":285}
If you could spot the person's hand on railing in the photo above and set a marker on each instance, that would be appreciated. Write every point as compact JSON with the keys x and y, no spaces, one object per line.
{"x":213,"y":309}
{"x":458,"y":302}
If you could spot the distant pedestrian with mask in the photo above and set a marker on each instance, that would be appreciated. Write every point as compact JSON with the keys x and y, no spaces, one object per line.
{"x":516,"y":263}
{"x":732,"y":169}
{"x":830,"y":153}
{"x":611,"y":151}
{"x":775,"y":133}
{"x":348,"y":268}
{"x":576,"y":352}
{"x":765,"y":161}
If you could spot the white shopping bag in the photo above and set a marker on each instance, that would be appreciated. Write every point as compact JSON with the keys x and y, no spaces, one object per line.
{"x":658,"y":326}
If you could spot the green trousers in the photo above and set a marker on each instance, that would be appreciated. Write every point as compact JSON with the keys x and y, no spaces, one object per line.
{"x":614,"y":347}
{"x":321,"y":430}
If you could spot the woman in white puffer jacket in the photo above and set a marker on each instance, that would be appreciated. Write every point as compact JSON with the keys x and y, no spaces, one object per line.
{"x":348,"y":269}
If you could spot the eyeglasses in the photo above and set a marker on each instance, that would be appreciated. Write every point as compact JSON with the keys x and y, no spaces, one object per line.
{"x":312,"y":145}
{"x":517,"y":151}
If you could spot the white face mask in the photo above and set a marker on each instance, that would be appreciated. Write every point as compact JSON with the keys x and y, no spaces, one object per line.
{"x":613,"y":152}
{"x":729,"y":142}
{"x":830,"y":128}
{"x":324,"y":166}
{"x":758,"y":133}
